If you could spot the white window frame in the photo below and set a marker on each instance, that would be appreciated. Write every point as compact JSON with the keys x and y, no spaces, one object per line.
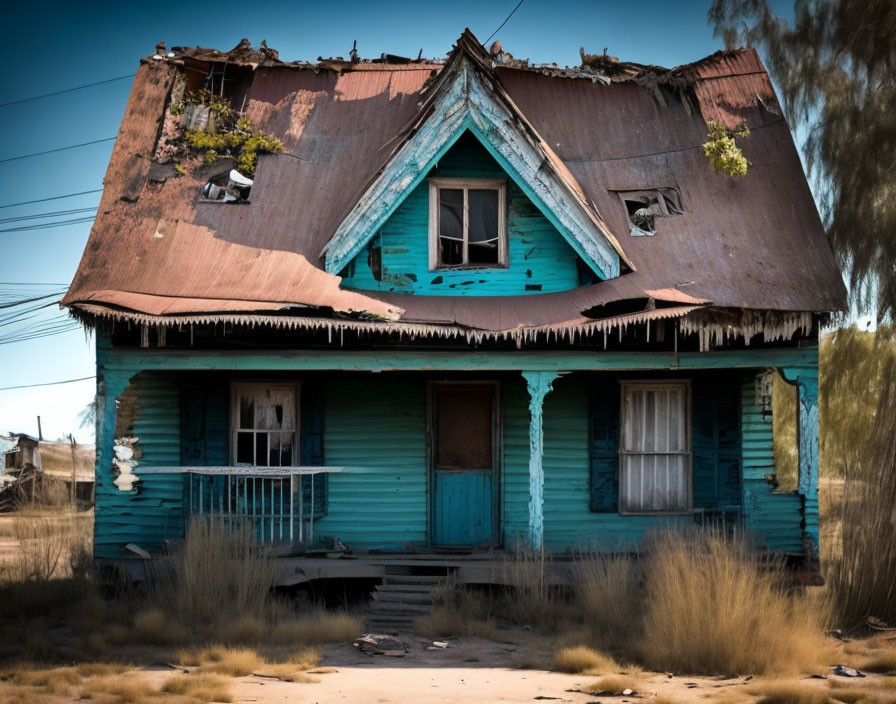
{"x":687,"y":452}
{"x":235,"y":388}
{"x":466,"y":184}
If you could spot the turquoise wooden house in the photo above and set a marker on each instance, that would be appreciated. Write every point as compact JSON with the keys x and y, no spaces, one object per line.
{"x":462,"y":305}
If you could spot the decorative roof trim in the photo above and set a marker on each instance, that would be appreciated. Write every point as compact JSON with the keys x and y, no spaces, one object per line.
{"x":464,"y":99}
{"x":569,"y":331}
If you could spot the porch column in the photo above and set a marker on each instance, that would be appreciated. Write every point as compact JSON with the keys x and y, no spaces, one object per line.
{"x":538,"y":385}
{"x":806,"y":381}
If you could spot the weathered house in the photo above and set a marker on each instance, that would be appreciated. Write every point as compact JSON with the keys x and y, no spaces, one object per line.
{"x":469,"y":304}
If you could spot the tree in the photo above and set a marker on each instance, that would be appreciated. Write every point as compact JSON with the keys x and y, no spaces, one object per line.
{"x":835,"y":67}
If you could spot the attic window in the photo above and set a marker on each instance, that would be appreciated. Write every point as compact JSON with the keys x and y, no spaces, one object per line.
{"x":467,"y":225}
{"x":644,"y":207}
{"x":230,"y":187}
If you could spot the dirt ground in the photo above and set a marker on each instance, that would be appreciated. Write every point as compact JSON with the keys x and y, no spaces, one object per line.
{"x":473,"y":670}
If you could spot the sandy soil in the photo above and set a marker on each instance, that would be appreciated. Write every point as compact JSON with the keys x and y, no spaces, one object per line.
{"x":469,"y":670}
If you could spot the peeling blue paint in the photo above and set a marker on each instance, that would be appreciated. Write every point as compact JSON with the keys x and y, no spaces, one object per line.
{"x":470,"y":105}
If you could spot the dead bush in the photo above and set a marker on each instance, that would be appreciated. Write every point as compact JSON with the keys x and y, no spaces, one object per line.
{"x":711,"y":608}
{"x":607,"y":597}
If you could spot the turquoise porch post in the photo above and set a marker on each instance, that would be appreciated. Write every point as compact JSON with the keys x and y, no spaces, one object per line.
{"x":539,"y":384}
{"x":806,"y":381}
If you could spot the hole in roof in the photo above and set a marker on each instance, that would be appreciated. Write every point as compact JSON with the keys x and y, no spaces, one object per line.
{"x":228,"y":187}
{"x":643,"y":208}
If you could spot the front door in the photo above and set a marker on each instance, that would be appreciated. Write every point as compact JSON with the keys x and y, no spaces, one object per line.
{"x":464,"y":421}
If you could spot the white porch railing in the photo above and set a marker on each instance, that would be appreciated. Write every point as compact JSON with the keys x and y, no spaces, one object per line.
{"x":273,"y":501}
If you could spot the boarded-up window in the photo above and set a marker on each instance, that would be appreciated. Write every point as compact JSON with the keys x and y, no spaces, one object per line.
{"x":264,"y":425}
{"x":655,"y":452}
{"x":464,"y":426}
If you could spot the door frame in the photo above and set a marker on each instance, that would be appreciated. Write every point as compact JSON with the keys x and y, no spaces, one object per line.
{"x":497,"y":455}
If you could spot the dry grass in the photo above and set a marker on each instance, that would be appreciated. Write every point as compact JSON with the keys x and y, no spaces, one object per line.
{"x":315,"y":628}
{"x":788,"y":692}
{"x":203,"y":687}
{"x":124,"y":689}
{"x":607,"y":597}
{"x":584,"y":660}
{"x":226,"y":661}
{"x":884,"y":663}
{"x":612,"y":685}
{"x":710,"y":608}
{"x":458,"y":613}
{"x":155,"y":627}
{"x":215,"y":565}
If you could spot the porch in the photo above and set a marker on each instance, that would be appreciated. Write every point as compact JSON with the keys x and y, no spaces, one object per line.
{"x":366,"y":474}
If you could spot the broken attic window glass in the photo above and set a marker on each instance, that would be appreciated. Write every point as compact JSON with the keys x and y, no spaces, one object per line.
{"x":230,"y":187}
{"x":644,"y":207}
{"x":467,"y":223}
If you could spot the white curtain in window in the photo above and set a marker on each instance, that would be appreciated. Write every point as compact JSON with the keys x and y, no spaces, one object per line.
{"x":655,"y":450}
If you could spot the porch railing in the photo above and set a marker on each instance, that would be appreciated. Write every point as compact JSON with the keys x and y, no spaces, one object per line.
{"x":272,"y":501}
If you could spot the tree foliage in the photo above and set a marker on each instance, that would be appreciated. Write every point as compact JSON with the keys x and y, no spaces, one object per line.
{"x":834,"y":67}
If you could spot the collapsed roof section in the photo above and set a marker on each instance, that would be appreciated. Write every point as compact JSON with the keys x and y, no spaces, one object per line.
{"x":159,"y":250}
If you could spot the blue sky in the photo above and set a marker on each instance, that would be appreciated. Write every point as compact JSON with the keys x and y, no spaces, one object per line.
{"x":53,"y":46}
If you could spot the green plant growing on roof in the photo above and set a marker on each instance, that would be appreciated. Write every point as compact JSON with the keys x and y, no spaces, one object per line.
{"x":725,"y":157}
{"x":243,"y":143}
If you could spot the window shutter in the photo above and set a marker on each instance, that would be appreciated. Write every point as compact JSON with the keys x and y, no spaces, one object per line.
{"x":204,"y":424}
{"x":311,"y":440}
{"x":716,"y":442}
{"x":604,"y":427}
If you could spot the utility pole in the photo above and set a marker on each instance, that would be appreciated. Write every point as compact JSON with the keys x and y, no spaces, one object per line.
{"x":40,"y":433}
{"x":72,"y":490}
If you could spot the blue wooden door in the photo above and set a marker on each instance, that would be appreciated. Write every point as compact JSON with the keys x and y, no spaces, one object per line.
{"x":464,"y":465}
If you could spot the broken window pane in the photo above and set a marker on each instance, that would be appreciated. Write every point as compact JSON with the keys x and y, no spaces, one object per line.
{"x":476,"y":238}
{"x":229,"y":187}
{"x":451,"y":213}
{"x":643,"y":208}
{"x":244,"y":448}
{"x":483,"y":226}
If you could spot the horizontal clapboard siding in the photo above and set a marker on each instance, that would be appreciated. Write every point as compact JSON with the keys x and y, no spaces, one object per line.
{"x":377,"y":425}
{"x":538,"y":254}
{"x":154,"y":510}
{"x":775,"y":518}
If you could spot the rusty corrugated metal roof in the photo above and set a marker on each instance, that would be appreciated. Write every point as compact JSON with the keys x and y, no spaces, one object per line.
{"x":755,"y":242}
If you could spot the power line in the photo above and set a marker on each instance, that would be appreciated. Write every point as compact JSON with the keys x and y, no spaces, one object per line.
{"x":44,"y":200}
{"x":66,"y":90}
{"x":48,"y":383}
{"x":51,"y":214}
{"x":58,"y":149}
{"x":61,"y":223}
{"x":502,"y":24}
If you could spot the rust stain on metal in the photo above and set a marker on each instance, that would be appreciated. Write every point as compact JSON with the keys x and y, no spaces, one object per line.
{"x":757,"y":243}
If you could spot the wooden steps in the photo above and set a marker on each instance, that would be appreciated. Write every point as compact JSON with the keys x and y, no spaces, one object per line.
{"x":402,"y":598}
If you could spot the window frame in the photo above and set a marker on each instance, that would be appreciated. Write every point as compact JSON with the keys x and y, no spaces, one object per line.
{"x":466,"y":184}
{"x":235,"y":388}
{"x":648,"y":385}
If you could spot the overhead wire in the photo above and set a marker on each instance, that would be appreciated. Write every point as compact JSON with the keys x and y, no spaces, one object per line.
{"x":49,"y":214}
{"x":504,"y":22}
{"x":57,"y":149}
{"x":66,"y":90}
{"x":47,"y":383}
{"x":61,"y":223}
{"x":44,"y":200}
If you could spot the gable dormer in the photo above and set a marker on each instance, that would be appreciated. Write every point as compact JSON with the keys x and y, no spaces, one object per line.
{"x":467,"y":97}
{"x":467,"y":229}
